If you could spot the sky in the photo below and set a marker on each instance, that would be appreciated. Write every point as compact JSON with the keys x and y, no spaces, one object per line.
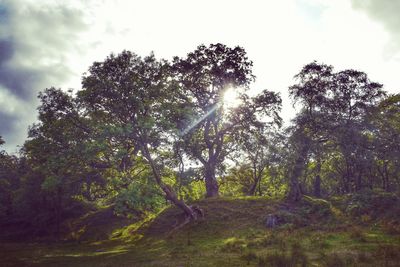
{"x":45,"y":43}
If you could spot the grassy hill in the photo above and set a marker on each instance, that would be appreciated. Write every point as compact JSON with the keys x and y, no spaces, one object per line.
{"x":233,"y":232}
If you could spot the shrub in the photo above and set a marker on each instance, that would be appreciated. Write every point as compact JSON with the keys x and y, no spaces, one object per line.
{"x":139,"y":198}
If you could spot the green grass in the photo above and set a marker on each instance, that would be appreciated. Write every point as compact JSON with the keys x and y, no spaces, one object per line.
{"x":231,"y":234}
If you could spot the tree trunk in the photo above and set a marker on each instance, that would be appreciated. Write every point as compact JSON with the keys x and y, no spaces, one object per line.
{"x":58,"y":212}
{"x":212,"y":188}
{"x":295,"y":193}
{"x":169,"y":193}
{"x":317,"y":182}
{"x":259,"y":188}
{"x":257,"y":182}
{"x":253,"y":188}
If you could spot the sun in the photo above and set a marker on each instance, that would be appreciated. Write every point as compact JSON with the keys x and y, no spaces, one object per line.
{"x":231,"y":98}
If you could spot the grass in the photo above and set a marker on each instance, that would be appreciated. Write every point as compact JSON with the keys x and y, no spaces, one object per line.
{"x":231,"y":234}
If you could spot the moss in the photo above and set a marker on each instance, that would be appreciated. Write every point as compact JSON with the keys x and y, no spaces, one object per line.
{"x":234,"y":244}
{"x":319,"y":208}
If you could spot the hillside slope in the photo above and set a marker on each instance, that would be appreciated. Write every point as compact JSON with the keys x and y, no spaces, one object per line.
{"x":233,"y":232}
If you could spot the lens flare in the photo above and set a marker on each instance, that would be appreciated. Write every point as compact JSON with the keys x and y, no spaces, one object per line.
{"x":231,"y":98}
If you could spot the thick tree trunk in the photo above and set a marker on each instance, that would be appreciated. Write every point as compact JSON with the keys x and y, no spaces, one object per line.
{"x":295,"y":193}
{"x":212,"y":188}
{"x":294,"y":190}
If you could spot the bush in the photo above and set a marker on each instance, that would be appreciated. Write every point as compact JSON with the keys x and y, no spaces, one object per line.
{"x":139,"y":198}
{"x":374,"y":203}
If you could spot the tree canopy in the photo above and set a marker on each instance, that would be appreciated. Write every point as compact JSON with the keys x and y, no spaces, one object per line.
{"x":144,"y":132}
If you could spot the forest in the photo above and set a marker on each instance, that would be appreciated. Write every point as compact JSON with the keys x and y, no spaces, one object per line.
{"x":179,"y":163}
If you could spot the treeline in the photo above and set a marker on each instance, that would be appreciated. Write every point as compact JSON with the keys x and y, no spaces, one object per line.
{"x":144,"y":132}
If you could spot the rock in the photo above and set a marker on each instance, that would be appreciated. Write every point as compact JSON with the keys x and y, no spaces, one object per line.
{"x":271,"y":221}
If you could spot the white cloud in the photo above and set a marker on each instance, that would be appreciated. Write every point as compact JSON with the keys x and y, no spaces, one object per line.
{"x":279,"y":36}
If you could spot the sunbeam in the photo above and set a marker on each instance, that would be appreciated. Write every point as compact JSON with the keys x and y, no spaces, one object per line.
{"x":196,"y":122}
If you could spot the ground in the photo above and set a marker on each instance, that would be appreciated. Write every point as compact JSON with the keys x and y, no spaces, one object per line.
{"x":232,"y":233}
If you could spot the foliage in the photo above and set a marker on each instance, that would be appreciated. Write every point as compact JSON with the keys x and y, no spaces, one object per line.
{"x":378,"y":204}
{"x":144,"y":133}
{"x":138,"y":198}
{"x":334,"y":117}
{"x":207,"y":127}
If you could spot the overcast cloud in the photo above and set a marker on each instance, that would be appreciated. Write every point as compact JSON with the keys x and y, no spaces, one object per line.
{"x":35,"y":41}
{"x":386,"y":12}
{"x":46,"y":43}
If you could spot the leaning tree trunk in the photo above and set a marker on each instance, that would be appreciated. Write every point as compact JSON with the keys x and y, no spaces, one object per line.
{"x":169,"y":193}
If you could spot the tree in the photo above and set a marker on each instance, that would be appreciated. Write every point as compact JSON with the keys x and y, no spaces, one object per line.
{"x":384,"y":135}
{"x":60,"y":164}
{"x":8,"y":177}
{"x":257,"y":154}
{"x":204,"y":76}
{"x":135,"y":101}
{"x":334,"y":108}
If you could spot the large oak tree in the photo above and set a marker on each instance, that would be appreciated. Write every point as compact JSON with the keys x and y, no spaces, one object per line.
{"x":207,"y":127}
